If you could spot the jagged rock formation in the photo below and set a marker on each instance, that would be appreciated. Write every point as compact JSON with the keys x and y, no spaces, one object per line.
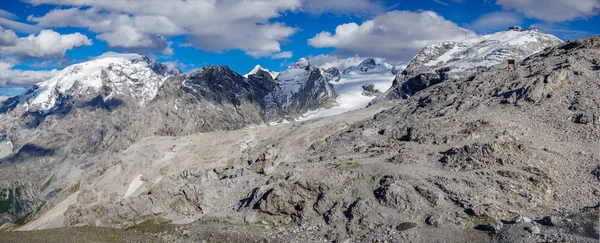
{"x":370,"y":90}
{"x":303,"y":88}
{"x":437,"y":63}
{"x":332,"y":74}
{"x":60,"y":128}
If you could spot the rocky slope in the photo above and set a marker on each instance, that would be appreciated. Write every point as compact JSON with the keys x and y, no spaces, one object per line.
{"x":59,"y":128}
{"x":450,"y":60}
{"x":493,"y":153}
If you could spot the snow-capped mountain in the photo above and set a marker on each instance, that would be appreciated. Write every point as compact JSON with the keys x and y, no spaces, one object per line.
{"x":369,"y":65}
{"x":439,"y":62}
{"x":303,"y":84}
{"x":463,"y":57}
{"x":258,"y":68}
{"x":117,"y":74}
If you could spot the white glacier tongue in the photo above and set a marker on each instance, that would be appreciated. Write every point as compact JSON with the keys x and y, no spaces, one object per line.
{"x":122,"y":73}
{"x":349,"y":90}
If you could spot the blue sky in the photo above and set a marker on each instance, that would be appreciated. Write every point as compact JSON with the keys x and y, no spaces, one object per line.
{"x":274,"y":34}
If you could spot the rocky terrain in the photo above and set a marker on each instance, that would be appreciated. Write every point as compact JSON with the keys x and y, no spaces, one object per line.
{"x":502,"y":155}
{"x":58,"y":129}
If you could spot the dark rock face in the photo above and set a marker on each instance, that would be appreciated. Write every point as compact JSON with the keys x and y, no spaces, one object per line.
{"x":303,"y":87}
{"x":332,"y":74}
{"x":364,"y":66}
{"x":403,"y":89}
{"x":370,"y":90}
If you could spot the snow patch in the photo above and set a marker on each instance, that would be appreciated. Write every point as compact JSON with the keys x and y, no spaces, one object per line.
{"x":134,"y":185}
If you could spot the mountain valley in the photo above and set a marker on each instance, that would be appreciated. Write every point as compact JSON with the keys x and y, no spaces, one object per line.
{"x":458,"y":147}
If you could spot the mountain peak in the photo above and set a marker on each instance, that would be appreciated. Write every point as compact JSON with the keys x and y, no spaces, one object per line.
{"x":301,"y":63}
{"x":260,"y":68}
{"x":138,"y":73}
{"x":481,"y":51}
{"x":369,"y":62}
{"x":369,"y":65}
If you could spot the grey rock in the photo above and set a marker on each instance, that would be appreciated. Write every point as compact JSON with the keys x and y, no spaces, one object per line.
{"x":533,"y":229}
{"x":332,"y":74}
{"x":582,"y":119}
{"x":369,"y":90}
{"x":596,"y":172}
{"x":405,"y":226}
{"x":391,"y":193}
{"x":434,"y":220}
{"x":551,"y":221}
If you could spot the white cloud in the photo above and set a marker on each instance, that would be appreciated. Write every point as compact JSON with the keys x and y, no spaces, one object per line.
{"x":209,"y":25}
{"x":553,"y":10}
{"x":343,"y":6}
{"x":7,"y":37}
{"x":283,"y":55}
{"x":495,"y":21}
{"x":18,"y":26}
{"x":16,"y":77}
{"x":47,"y":45}
{"x":7,"y":15}
{"x":396,"y":36}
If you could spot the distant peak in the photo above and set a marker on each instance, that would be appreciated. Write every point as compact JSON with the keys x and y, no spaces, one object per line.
{"x":255,"y":70}
{"x":301,"y":63}
{"x":368,"y":61}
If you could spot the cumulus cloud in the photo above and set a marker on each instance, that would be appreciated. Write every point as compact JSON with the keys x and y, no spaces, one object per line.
{"x":553,"y":10}
{"x":15,"y":77}
{"x":495,"y":21}
{"x":343,"y":6}
{"x":399,"y":35}
{"x":48,"y":44}
{"x":208,"y":25}
{"x":7,"y":37}
{"x":283,"y":55}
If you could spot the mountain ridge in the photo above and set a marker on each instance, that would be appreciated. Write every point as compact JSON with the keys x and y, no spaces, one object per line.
{"x":451,"y":60}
